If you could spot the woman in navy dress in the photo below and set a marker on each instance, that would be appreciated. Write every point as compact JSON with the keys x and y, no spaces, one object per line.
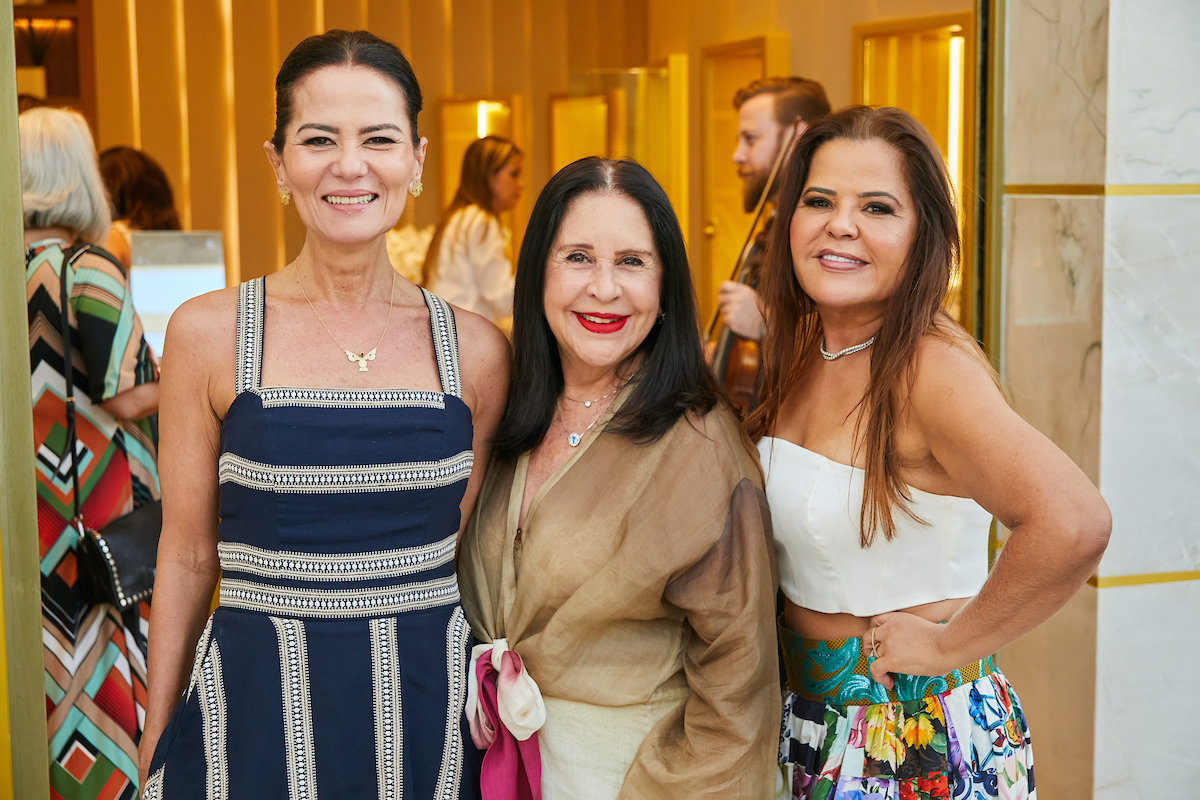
{"x":334,"y":418}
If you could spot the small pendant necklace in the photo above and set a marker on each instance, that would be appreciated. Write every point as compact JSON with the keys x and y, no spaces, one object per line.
{"x":574,"y":439}
{"x":588,"y":403}
{"x":361,"y":358}
{"x":848,"y":351}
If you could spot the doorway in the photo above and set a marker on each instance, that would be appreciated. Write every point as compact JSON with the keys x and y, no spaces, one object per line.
{"x":926,"y":66}
{"x":725,"y":68}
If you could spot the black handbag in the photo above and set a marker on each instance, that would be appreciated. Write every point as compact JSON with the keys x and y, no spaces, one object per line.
{"x":116,"y":563}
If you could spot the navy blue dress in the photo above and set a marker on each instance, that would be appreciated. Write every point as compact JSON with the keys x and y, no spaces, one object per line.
{"x":335,"y":666}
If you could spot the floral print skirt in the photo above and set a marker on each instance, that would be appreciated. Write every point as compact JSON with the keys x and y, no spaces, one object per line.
{"x":961,"y":735}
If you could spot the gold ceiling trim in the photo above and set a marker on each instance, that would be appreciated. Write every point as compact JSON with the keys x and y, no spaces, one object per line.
{"x":1108,"y":582}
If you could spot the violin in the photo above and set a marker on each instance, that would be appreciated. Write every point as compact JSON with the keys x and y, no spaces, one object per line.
{"x":734,"y":359}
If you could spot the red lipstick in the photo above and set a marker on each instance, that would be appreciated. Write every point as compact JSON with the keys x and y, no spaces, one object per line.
{"x":611,"y":322}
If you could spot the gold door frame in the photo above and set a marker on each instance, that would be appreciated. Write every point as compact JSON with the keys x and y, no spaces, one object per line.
{"x":991,"y":195}
{"x":972,"y":285}
{"x":24,"y":763}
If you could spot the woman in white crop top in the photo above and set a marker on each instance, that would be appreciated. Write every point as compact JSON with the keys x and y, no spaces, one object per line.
{"x":887,"y":447}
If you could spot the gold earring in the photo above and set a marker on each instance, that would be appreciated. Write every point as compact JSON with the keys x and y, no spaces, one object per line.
{"x":285,"y":196}
{"x":416,"y":188}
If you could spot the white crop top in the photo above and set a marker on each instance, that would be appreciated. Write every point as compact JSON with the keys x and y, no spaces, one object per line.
{"x":815,"y":505}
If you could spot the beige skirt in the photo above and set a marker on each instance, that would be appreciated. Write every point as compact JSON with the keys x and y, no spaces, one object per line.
{"x":587,"y":749}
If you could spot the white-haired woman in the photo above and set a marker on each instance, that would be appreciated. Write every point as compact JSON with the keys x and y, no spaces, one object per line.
{"x":94,"y":661}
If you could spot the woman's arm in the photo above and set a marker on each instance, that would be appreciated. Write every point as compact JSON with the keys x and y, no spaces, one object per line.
{"x":725,"y":744}
{"x":486,"y":362}
{"x":136,"y":403}
{"x":189,"y":449}
{"x":110,"y":338}
{"x":1060,"y":524}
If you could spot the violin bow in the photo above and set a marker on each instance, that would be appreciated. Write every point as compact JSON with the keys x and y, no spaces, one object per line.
{"x":789,"y":134}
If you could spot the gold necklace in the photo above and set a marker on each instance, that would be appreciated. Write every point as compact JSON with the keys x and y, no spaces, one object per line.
{"x":361,"y":358}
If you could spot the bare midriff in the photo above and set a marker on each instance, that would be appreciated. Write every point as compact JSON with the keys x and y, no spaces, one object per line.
{"x":818,"y":625}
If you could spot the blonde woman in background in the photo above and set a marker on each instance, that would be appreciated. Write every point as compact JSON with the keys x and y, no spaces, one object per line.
{"x":468,"y":262}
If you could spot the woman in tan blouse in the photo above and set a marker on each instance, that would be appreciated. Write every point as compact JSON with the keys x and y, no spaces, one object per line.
{"x":620,"y":551}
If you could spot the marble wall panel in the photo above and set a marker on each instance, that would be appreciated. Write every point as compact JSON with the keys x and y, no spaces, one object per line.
{"x":1146,"y":703}
{"x":1056,"y":91}
{"x":1053,"y":318}
{"x":1153,"y":106}
{"x":1150,"y":438}
{"x":1053,"y":669}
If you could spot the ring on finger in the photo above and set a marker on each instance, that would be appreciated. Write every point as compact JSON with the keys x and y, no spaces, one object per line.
{"x":874,"y":649}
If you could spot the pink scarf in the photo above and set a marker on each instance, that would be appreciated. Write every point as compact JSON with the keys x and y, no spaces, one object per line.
{"x":505,"y":711}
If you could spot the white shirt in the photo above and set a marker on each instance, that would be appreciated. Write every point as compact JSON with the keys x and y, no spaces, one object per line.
{"x":473,"y":267}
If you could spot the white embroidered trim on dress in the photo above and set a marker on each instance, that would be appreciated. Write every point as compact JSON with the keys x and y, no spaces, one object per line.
{"x":251,"y":297}
{"x":297,"y":709}
{"x":198,"y":660}
{"x":450,"y":775}
{"x":214,"y":721}
{"x":335,"y":603}
{"x":154,"y":785}
{"x":360,"y":478}
{"x":277,"y":396}
{"x":445,"y":343}
{"x":288,"y":565}
{"x":389,"y":719}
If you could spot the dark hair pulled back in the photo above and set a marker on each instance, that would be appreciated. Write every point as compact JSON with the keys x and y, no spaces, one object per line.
{"x":673,"y":378}
{"x":350,"y":48}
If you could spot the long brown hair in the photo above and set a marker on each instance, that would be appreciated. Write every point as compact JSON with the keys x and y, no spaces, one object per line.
{"x":483,"y":159}
{"x":794,"y":333}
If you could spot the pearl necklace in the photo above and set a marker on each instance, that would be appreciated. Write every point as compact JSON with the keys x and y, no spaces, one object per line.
{"x":848,"y":351}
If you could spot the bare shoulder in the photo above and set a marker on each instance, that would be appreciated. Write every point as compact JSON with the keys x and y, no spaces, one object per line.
{"x":206,"y":318}
{"x":948,"y":359}
{"x":951,"y":378}
{"x":479,"y":341}
{"x":204,"y":329}
{"x":486,"y":360}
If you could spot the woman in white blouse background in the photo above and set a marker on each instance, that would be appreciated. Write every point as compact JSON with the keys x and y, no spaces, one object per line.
{"x":468,"y":262}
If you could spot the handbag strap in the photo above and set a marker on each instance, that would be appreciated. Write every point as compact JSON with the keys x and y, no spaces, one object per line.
{"x":69,"y":376}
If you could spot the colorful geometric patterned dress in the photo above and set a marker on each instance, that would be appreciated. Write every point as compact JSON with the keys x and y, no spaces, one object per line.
{"x":94,"y":660}
{"x":335,"y":665}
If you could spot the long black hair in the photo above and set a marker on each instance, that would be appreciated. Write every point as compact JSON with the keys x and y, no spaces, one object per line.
{"x":673,"y":378}
{"x":353,"y":48}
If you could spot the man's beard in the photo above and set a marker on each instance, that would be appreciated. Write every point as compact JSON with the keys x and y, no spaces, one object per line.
{"x":752,"y":190}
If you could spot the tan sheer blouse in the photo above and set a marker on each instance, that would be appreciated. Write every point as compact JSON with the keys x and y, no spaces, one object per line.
{"x":639,"y":568}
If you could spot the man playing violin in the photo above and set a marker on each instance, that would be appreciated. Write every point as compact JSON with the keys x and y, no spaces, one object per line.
{"x":766,"y":108}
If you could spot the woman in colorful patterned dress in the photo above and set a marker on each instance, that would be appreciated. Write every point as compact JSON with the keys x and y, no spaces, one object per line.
{"x":328,"y":417}
{"x":95,"y":664}
{"x":888,"y":446}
